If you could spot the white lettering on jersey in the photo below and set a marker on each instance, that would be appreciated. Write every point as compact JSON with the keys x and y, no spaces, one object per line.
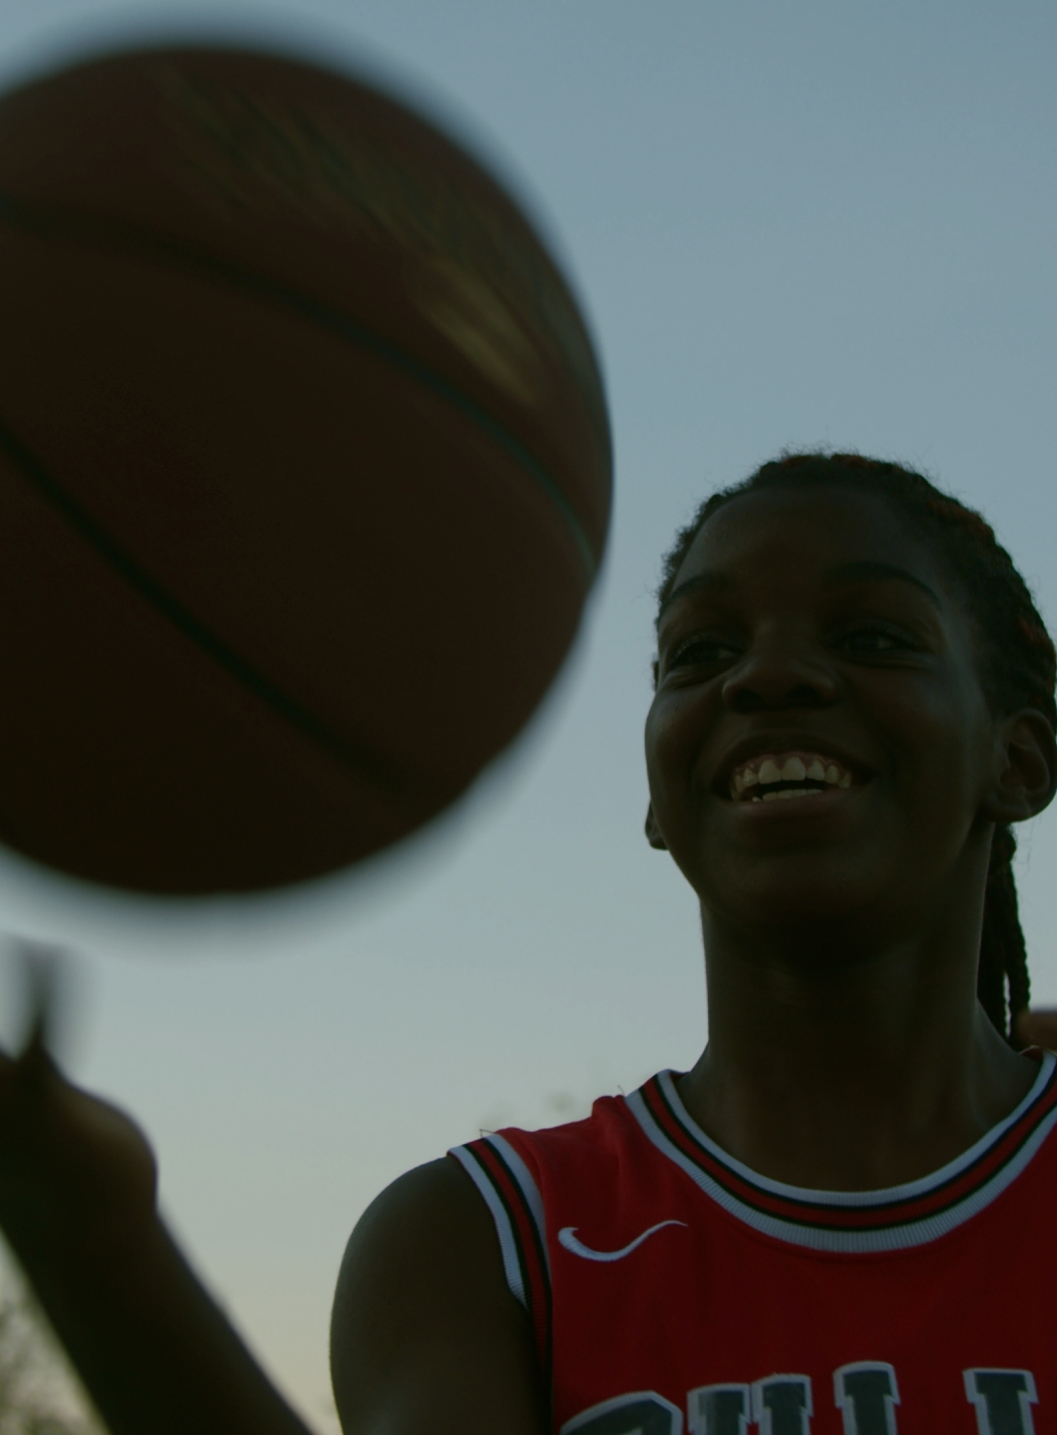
{"x":1003,"y":1400}
{"x":643,"y":1413}
{"x":781,"y":1404}
{"x":866,"y":1394}
{"x":719,"y":1409}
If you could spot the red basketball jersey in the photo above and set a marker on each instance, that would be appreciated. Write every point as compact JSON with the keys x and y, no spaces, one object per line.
{"x":673,"y":1288}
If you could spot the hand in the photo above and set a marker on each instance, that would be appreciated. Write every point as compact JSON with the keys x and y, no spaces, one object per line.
{"x":1037,"y":1028}
{"x":72,"y":1167}
{"x":77,"y":1203}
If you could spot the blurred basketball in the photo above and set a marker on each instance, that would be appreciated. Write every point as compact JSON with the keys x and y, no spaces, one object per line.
{"x":304,"y":470}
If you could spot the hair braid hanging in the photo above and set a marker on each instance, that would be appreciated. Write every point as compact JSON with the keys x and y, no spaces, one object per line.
{"x":1002,"y":982}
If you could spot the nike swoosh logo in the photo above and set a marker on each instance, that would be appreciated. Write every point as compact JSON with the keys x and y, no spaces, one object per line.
{"x":567,"y":1238}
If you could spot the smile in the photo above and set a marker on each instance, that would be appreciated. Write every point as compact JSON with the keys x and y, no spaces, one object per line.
{"x":783,"y":776}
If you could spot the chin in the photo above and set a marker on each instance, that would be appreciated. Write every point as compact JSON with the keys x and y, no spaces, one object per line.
{"x":792,"y":895}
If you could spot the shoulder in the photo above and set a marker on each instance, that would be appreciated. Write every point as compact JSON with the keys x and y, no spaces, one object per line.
{"x":425,"y":1332}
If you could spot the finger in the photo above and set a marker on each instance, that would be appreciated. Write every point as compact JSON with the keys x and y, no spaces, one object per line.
{"x":43,"y":979}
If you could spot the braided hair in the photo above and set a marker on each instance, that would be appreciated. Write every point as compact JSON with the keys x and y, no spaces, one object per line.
{"x":1018,"y":661}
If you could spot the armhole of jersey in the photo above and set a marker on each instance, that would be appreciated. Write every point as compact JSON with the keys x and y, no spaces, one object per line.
{"x":513,"y":1198}
{"x":478,"y":1174}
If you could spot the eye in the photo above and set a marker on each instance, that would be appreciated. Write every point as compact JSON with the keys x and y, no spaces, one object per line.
{"x":868,"y":639}
{"x":702,"y":650}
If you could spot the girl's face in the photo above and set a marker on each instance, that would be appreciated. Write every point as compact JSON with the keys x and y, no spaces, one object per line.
{"x":814,"y":647}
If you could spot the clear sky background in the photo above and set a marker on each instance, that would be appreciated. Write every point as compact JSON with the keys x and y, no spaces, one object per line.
{"x":823,"y":222}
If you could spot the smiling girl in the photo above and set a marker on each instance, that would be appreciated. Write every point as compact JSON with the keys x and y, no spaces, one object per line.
{"x":842,"y":1218}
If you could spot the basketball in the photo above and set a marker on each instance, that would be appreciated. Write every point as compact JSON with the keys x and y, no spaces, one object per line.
{"x":305,"y":470}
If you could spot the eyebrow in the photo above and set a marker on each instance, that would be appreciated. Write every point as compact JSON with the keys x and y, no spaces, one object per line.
{"x":864,"y":571}
{"x":710,"y":579}
{"x":869,"y":571}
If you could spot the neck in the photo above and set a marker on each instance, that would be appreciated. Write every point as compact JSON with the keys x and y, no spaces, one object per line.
{"x":862,"y":1067}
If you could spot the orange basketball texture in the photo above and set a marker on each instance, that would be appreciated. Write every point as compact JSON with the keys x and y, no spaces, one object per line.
{"x":305,"y":470}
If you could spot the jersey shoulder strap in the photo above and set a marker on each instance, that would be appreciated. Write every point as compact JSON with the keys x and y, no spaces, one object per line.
{"x":513,"y":1168}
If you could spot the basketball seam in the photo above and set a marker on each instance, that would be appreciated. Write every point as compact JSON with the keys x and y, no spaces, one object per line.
{"x":56,"y":223}
{"x":381,"y":771}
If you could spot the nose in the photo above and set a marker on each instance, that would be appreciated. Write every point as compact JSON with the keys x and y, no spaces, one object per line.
{"x":780,"y":670}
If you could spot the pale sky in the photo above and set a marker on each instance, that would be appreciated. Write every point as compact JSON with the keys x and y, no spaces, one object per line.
{"x":825,"y":222}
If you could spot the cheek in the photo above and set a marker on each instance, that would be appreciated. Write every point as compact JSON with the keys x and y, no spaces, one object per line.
{"x":941,"y":735}
{"x":664,"y":768}
{"x":671,"y":742}
{"x":656,"y":752}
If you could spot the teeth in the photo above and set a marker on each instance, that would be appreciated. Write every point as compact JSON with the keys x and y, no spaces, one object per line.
{"x":786,"y":793}
{"x":795,"y":767}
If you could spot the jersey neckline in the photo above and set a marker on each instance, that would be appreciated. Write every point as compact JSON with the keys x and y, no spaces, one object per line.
{"x":892,"y":1218}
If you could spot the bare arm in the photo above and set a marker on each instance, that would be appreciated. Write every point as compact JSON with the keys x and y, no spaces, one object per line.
{"x":1038,"y":1028}
{"x":77,"y":1204}
{"x":426,"y":1338}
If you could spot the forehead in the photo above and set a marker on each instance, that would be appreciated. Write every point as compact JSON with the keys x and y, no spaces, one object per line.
{"x":796,"y":534}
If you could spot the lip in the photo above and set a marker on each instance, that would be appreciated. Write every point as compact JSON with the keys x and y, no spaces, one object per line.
{"x":819,"y":807}
{"x":759,"y":744}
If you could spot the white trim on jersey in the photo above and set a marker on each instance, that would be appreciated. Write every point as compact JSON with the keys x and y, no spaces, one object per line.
{"x":890,"y":1237}
{"x":523,"y":1176}
{"x":533,"y":1201}
{"x":507,"y":1243}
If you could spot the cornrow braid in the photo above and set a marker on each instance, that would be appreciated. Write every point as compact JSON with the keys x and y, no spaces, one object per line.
{"x":1018,"y":661}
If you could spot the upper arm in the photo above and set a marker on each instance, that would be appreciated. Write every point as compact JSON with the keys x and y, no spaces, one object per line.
{"x":426,"y":1338}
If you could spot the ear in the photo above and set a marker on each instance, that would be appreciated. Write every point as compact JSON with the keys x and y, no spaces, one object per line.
{"x":653,"y":832}
{"x":1027,"y":767}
